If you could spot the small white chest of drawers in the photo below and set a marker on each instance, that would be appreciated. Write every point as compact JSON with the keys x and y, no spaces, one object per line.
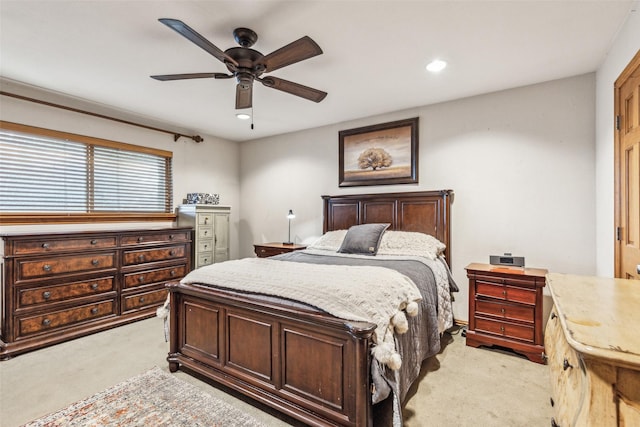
{"x":211,"y":232}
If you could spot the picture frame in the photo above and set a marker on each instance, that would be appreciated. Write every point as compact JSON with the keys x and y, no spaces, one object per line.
{"x":381,"y":154}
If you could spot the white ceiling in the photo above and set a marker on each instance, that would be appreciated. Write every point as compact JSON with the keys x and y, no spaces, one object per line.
{"x":374,"y":58}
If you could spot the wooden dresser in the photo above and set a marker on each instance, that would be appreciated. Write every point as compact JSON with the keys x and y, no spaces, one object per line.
{"x":505,"y":308}
{"x":59,"y":286}
{"x":264,"y":250}
{"x":593,"y":347}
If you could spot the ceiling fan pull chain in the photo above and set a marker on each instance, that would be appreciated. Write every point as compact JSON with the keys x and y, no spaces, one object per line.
{"x":252,"y":117}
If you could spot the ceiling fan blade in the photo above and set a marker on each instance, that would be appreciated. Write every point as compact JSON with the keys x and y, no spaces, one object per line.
{"x":189,"y":33}
{"x":244,"y":94}
{"x":296,"y":51}
{"x":297,"y":89}
{"x":166,"y":77}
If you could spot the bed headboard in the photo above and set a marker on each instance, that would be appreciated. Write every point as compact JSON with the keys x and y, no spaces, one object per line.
{"x":423,"y":211}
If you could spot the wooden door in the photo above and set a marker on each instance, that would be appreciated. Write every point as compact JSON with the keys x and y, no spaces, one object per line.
{"x":627,"y":183}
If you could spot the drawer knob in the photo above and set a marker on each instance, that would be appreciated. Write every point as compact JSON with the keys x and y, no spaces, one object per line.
{"x":206,"y":219}
{"x":140,"y":239}
{"x":206,"y":260}
{"x":503,"y":310}
{"x":94,"y":286}
{"x":172,"y":273}
{"x":46,"y":322}
{"x":141,"y":257}
{"x":502,"y":329}
{"x":205,"y":232}
{"x":504,"y":292}
{"x":141,"y":299}
{"x":94,"y":310}
{"x":46,"y":267}
{"x":170,"y":236}
{"x":95,"y":262}
{"x":566,"y":365}
{"x":94,"y":242}
{"x":172,"y":253}
{"x":45,"y":246}
{"x":206,"y":246}
{"x":46,"y":295}
{"x":141,"y":278}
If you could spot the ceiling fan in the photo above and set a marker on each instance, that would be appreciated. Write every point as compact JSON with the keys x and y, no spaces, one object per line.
{"x":247,"y":65}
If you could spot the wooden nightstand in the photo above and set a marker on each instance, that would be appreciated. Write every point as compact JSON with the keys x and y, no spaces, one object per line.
{"x":505,"y":308}
{"x":265,"y":250}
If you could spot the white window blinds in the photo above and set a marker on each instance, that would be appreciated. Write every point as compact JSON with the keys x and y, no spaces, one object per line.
{"x":45,"y":173}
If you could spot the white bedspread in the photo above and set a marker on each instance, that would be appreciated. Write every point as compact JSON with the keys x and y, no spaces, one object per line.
{"x":372,"y":294}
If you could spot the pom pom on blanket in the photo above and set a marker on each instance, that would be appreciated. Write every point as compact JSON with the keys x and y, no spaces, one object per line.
{"x":412,"y":308}
{"x":386,"y":354}
{"x":399,"y":321}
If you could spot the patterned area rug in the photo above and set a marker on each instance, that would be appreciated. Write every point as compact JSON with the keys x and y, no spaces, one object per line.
{"x":155,"y":398}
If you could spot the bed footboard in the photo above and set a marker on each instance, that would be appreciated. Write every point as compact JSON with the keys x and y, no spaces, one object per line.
{"x":308,"y":365}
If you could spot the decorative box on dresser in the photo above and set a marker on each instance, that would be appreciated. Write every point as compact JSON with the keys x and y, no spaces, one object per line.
{"x":60,"y":286}
{"x":593,"y":349}
{"x":505,"y":308}
{"x":211,"y":231}
{"x":264,"y":250}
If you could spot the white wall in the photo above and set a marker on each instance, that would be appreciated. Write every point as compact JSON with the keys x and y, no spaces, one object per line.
{"x":520,"y":161}
{"x":211,"y":166}
{"x":626,"y":45}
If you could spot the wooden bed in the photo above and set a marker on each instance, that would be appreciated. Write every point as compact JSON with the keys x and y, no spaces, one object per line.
{"x":306,"y":364}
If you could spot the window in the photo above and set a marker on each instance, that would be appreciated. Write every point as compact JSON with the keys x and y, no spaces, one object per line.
{"x":51,"y":176}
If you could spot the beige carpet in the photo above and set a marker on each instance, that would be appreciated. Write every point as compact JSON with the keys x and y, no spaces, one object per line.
{"x":461,"y":386}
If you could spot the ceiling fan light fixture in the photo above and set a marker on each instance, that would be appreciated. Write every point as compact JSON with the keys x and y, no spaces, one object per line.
{"x":436,"y":66}
{"x":243,"y":116}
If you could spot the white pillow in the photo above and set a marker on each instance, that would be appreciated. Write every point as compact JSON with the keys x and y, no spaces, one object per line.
{"x":410,"y":243}
{"x":329,"y":241}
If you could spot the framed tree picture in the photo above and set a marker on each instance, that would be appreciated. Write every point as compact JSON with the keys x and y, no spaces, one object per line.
{"x":381,"y":154}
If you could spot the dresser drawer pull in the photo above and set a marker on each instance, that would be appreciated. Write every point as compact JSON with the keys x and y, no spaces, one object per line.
{"x":94,"y":311}
{"x":140,"y":278}
{"x":504,"y":292}
{"x":95,"y":262}
{"x":503,"y":310}
{"x":46,"y":267}
{"x":45,"y":246}
{"x":170,"y":236}
{"x":94,"y":242}
{"x":172,"y":273}
{"x":172,"y":253}
{"x":46,"y":322}
{"x":502,"y":329}
{"x":566,"y":365}
{"x":46,"y":295}
{"x":141,"y":257}
{"x":140,"y":239}
{"x":263,"y":250}
{"x":206,"y":246}
{"x":141,"y":299}
{"x":94,"y":286}
{"x":206,"y":219}
{"x":205,"y":232}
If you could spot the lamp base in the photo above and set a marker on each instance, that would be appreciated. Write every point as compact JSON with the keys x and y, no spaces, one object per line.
{"x":287,"y":243}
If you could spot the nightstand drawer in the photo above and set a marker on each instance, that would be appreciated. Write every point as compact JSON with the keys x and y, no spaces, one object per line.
{"x":271,"y":249}
{"x":506,"y":311}
{"x":505,"y":329}
{"x":505,"y":292}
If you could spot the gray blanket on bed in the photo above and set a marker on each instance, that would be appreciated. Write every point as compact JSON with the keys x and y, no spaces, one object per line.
{"x":422,"y":340}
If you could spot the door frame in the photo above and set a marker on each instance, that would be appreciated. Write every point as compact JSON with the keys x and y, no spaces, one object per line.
{"x":626,"y":73}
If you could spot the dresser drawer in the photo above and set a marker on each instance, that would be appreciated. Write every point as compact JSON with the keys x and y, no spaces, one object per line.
{"x":49,"y":267}
{"x":506,"y":292}
{"x":30,"y":325}
{"x":132,"y":280}
{"x":505,"y":329}
{"x":47,"y":245}
{"x":205,"y":219}
{"x":204,"y":259}
{"x":160,"y":237}
{"x":28,"y":297}
{"x":142,"y":256}
{"x":144,"y":300}
{"x":205,"y":245}
{"x":205,"y":232}
{"x":523,"y":313}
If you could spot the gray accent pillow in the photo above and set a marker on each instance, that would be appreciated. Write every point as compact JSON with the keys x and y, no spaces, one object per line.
{"x":363,"y":239}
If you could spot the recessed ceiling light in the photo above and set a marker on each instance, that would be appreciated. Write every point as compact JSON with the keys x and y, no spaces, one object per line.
{"x":243,"y":116}
{"x":436,"y":66}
